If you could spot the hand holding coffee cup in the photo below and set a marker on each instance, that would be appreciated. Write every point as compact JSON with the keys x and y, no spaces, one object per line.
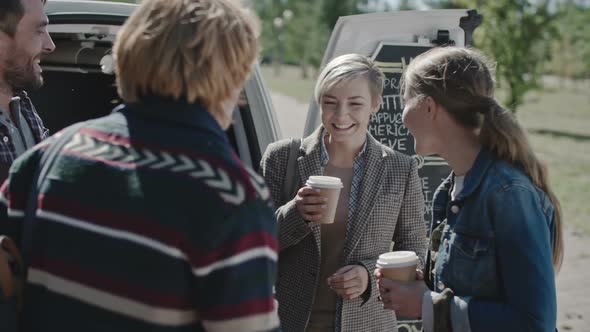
{"x":318,"y":199}
{"x":398,"y":265}
{"x":400,"y":285}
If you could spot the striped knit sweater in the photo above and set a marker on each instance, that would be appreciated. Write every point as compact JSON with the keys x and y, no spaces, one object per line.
{"x":147,"y":221}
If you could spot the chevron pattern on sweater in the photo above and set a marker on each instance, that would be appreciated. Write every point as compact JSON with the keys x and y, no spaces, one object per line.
{"x":230,"y":190}
{"x":259,"y":185}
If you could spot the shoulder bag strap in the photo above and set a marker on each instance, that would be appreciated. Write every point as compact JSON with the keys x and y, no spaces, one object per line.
{"x":292,"y":174}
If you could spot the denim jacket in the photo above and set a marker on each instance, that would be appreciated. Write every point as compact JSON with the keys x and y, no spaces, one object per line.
{"x":495,"y":249}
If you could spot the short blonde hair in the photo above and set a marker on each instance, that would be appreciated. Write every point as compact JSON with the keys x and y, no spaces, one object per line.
{"x":347,"y":67}
{"x":198,"y":50}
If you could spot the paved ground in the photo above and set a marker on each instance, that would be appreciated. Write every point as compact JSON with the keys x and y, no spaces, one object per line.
{"x":573,"y":282}
{"x":573,"y":290}
{"x":291,"y":114}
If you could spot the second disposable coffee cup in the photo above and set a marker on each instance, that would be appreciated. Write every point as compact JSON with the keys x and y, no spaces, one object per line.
{"x":330,"y":188}
{"x":398,"y":265}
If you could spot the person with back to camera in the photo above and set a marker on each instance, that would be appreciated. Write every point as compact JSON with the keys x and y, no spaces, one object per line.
{"x":326,"y":270}
{"x":496,"y":238}
{"x":146,"y":219}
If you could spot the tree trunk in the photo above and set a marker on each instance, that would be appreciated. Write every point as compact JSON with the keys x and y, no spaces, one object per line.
{"x":304,"y":65}
{"x":276,"y":64}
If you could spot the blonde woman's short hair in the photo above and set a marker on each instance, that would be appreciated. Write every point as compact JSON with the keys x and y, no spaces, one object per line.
{"x":198,"y":50}
{"x":348,"y":67}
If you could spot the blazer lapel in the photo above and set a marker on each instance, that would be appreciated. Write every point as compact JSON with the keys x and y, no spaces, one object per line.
{"x":308,"y":164}
{"x":369,"y":188}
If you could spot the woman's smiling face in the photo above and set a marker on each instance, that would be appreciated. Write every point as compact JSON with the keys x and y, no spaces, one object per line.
{"x":346,"y":110}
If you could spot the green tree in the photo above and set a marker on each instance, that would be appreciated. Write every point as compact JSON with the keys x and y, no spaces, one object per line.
{"x":271,"y":36}
{"x":516,"y":34}
{"x":406,"y":5}
{"x":445,"y":4}
{"x":302,"y":38}
{"x":307,"y":35}
{"x":333,"y":9}
{"x":571,"y":51}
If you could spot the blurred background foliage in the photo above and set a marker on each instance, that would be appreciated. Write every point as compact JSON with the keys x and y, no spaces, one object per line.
{"x":542,"y":50}
{"x":528,"y":39}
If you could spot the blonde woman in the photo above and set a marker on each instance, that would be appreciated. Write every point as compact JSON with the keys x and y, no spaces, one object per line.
{"x":326,"y":270}
{"x":496,"y":238}
{"x":147,"y":220}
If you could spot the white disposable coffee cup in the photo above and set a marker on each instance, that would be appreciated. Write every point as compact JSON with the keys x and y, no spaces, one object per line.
{"x":330,"y":188}
{"x":398,"y":265}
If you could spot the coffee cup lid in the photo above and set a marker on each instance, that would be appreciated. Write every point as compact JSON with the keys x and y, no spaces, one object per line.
{"x":321,"y":181}
{"x":397,"y":259}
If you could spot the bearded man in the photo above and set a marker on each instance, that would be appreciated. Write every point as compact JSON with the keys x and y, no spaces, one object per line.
{"x":23,"y":40}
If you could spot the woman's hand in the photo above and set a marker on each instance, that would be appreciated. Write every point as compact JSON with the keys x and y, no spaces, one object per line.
{"x":404,"y":297}
{"x":310,"y":203}
{"x":349,"y":282}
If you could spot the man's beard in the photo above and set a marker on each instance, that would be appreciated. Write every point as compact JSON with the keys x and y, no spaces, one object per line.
{"x":21,"y":76}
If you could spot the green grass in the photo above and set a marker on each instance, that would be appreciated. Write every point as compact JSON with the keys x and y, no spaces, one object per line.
{"x":557,"y":119}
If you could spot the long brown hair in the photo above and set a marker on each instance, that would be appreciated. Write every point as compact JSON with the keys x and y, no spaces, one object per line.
{"x":461,"y":80}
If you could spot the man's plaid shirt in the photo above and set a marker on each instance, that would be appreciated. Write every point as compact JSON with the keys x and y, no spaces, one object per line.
{"x":7,"y":149}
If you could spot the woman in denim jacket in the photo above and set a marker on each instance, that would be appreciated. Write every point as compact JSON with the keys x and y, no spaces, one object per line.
{"x":496,"y":238}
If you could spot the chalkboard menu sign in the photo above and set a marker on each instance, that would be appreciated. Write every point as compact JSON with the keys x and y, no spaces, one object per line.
{"x":386,"y":125}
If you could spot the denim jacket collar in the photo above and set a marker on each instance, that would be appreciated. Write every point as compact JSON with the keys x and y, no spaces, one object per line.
{"x":476,"y":174}
{"x":473,"y":179}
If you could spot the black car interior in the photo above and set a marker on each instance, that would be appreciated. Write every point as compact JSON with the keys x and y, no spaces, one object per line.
{"x":80,"y":85}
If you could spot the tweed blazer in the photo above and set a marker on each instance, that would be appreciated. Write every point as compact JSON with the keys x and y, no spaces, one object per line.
{"x":390,"y":207}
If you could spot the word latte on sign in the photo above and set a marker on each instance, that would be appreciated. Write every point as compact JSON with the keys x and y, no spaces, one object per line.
{"x":392,"y":102}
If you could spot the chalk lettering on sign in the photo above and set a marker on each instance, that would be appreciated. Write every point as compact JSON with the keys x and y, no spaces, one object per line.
{"x":388,"y":129}
{"x":428,"y":195}
{"x":385,"y":117}
{"x":387,"y":125}
{"x":390,"y":83}
{"x":409,"y":326}
{"x":391,"y":102}
{"x":427,"y":208}
{"x":424,"y":182}
{"x":398,"y":144}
